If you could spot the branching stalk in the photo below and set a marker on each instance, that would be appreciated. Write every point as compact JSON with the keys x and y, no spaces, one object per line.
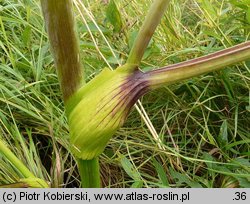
{"x":195,"y":67}
{"x":146,"y":32}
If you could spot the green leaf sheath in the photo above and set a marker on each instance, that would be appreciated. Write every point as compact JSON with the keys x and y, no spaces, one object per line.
{"x":177,"y":72}
{"x":106,"y":100}
{"x":147,"y":30}
{"x":100,"y":107}
{"x":64,"y":44}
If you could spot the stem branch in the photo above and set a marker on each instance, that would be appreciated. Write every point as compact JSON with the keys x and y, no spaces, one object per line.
{"x":177,"y":72}
{"x":146,"y":32}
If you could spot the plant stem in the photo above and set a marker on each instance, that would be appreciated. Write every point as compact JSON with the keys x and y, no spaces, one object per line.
{"x":64,"y":44}
{"x":147,"y":30}
{"x":195,"y":67}
{"x":20,"y":166}
{"x":65,"y":47}
{"x":90,"y":173}
{"x":15,"y":161}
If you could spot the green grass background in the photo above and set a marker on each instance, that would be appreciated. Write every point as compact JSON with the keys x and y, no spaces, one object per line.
{"x":203,"y":123}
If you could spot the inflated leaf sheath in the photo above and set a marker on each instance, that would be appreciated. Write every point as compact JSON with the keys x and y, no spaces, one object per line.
{"x":100,"y":107}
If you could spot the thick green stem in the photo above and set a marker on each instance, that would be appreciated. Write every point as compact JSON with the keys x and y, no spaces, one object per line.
{"x":195,"y":67}
{"x":64,"y":44}
{"x":147,"y":30}
{"x":90,"y":173}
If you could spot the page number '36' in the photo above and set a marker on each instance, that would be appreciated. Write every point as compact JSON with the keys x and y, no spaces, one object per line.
{"x":240,"y":196}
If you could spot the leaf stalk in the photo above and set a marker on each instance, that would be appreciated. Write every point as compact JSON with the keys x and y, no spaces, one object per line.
{"x":146,"y":32}
{"x":184,"y":70}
